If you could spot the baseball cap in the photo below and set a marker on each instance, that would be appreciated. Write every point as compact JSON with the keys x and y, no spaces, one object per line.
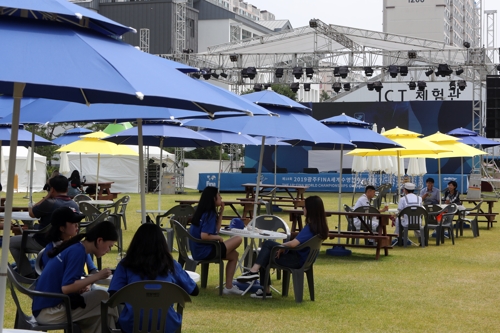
{"x":409,"y":186}
{"x":65,"y":214}
{"x":237,"y":223}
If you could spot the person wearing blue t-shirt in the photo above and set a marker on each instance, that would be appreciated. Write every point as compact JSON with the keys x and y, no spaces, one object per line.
{"x":148,"y":258}
{"x":205,"y":225}
{"x":314,"y":211}
{"x":63,"y":274}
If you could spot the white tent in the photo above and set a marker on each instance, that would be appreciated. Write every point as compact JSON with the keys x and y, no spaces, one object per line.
{"x":40,"y":173}
{"x":122,"y":170}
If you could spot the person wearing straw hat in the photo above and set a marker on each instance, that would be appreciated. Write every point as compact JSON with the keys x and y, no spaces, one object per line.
{"x":409,"y":199}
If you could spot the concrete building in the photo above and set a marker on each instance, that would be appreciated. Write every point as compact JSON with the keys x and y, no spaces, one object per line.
{"x":451,"y":21}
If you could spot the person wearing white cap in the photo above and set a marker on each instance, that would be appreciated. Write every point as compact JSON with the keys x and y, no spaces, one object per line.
{"x":409,"y":199}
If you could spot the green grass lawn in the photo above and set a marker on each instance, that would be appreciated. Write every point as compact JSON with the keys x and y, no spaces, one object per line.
{"x":438,"y":288}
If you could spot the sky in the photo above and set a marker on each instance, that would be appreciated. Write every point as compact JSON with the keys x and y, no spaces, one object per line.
{"x":363,"y":14}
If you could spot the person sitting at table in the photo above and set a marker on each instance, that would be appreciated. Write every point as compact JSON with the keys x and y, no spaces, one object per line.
{"x":365,"y":200}
{"x":46,"y":187}
{"x":148,"y":258}
{"x":74,"y":184}
{"x":205,"y":225}
{"x":451,"y":195}
{"x":316,"y":224}
{"x":64,"y":275}
{"x":64,"y":226}
{"x":430,"y":195}
{"x":409,"y":199}
{"x":56,"y":198}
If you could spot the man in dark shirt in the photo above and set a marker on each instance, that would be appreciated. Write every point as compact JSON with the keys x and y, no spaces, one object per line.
{"x":56,"y":198}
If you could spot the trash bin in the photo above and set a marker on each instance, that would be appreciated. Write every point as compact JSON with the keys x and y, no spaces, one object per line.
{"x":168,"y":183}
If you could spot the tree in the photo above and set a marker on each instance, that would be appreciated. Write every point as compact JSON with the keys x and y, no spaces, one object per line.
{"x":324,"y":96}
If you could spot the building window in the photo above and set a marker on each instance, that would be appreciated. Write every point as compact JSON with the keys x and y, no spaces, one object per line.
{"x":245,"y":34}
{"x":191,"y":28}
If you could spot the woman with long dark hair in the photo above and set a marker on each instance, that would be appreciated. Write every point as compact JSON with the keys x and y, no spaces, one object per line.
{"x":148,"y":258}
{"x":74,"y":184}
{"x":314,"y":211}
{"x":63,"y":274}
{"x":205,"y":225}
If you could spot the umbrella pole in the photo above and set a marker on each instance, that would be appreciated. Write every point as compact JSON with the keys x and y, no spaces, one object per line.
{"x":220,"y":167}
{"x":461,"y":173}
{"x":273,"y":199}
{"x":439,"y":170}
{"x":399,"y":177}
{"x":97,"y":180}
{"x":161,"y":174}
{"x":141,"y":169}
{"x":81,"y":169}
{"x":257,"y":185}
{"x":340,"y":185}
{"x":9,"y":197}
{"x":32,"y":164}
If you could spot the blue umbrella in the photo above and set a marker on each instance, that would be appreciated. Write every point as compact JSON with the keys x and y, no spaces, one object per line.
{"x":472,"y":138}
{"x":162,"y":134}
{"x":51,"y":60}
{"x":23,"y":137}
{"x":222,"y":137}
{"x":271,"y":98}
{"x":62,"y":11}
{"x":70,"y":136}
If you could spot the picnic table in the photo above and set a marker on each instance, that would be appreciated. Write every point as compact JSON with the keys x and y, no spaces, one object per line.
{"x":294,"y":198}
{"x":247,"y":208}
{"x":105,"y":192}
{"x":489,"y":215}
{"x":382,"y":238}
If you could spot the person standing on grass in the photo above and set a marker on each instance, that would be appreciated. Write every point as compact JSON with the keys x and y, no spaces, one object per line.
{"x":63,"y":275}
{"x":314,"y":211}
{"x":148,"y":258}
{"x":205,"y":225}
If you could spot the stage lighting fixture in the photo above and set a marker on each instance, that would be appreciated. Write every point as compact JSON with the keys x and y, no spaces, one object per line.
{"x":412,"y":54}
{"x":459,"y":71}
{"x":462,"y":84}
{"x":377,"y":85}
{"x":452,"y":85}
{"x":412,"y":85}
{"x":196,"y":75}
{"x":403,"y":70}
{"x":257,"y":87}
{"x":215,"y":75}
{"x":309,"y":72}
{"x":369,"y":85}
{"x":206,"y":72}
{"x":294,"y":87}
{"x":343,"y":71}
{"x":187,"y":51}
{"x":347,"y":86}
{"x":297,"y":72}
{"x":466,"y":45}
{"x":224,"y":75}
{"x":313,"y":23}
{"x":251,"y":72}
{"x":368,"y":71}
{"x":279,"y":73}
{"x":429,"y":72}
{"x":336,"y":72}
{"x":336,"y":86}
{"x":244,"y":73}
{"x":267,"y":86}
{"x":444,"y":70}
{"x":498,"y":68}
{"x":233,"y":57}
{"x":421,"y":85}
{"x":307,"y":87}
{"x":393,"y":71}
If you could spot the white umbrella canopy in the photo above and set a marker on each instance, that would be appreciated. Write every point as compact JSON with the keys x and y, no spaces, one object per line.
{"x":64,"y":163}
{"x":413,"y":167}
{"x":27,"y":165}
{"x":359,"y":164}
{"x":422,"y":166}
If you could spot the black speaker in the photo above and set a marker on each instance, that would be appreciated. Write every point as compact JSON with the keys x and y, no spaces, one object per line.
{"x":492,"y":106}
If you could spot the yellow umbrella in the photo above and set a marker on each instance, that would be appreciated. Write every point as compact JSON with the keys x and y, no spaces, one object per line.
{"x":92,"y":143}
{"x":455,"y":147}
{"x":411,"y":144}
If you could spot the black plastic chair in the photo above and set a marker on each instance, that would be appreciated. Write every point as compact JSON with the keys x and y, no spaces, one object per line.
{"x":119,"y":208}
{"x":81,"y":197}
{"x":150,"y":301}
{"x":297,"y":273}
{"x":350,"y":225}
{"x":440,"y":227}
{"x":183,"y":236}
{"x":181,"y":213}
{"x":24,"y":319}
{"x":98,"y":219}
{"x":23,"y":251}
{"x":414,"y":215}
{"x":473,"y":222}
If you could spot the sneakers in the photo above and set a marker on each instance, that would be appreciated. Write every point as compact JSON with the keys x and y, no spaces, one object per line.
{"x":260,"y":294}
{"x":233,"y":291}
{"x":394,"y":242}
{"x":247,"y":277}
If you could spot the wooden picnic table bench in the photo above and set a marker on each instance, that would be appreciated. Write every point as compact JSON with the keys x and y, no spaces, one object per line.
{"x":247,"y":208}
{"x":490,"y":218}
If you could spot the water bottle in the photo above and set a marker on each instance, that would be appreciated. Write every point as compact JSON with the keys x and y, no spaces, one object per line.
{"x":84,"y":179}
